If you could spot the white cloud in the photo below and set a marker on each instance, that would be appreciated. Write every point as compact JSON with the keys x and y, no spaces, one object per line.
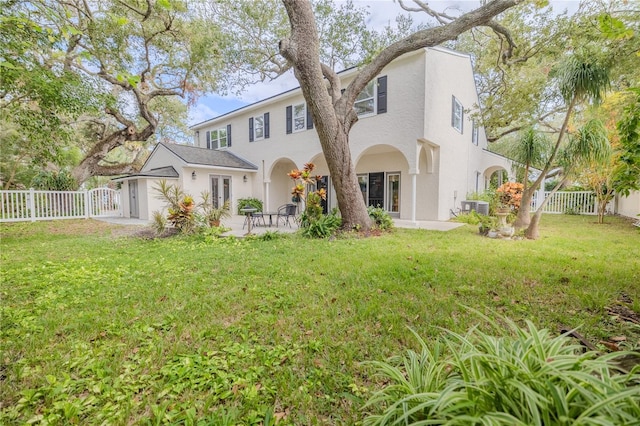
{"x":200,"y":113}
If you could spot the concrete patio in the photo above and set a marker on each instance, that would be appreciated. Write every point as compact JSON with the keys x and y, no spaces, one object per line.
{"x":239,"y":228}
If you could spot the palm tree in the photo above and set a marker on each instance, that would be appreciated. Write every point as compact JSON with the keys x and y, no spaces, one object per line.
{"x":530,"y":150}
{"x":589,"y":144}
{"x":581,"y":78}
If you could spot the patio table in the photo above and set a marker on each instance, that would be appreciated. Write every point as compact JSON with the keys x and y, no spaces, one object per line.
{"x":270,"y":214}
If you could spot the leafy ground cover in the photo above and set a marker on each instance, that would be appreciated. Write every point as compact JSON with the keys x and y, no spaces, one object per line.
{"x":101,"y":327}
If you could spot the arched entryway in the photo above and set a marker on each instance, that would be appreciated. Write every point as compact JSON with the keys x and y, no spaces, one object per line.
{"x":494,"y":177}
{"x":383,"y":175}
{"x":278,"y":184}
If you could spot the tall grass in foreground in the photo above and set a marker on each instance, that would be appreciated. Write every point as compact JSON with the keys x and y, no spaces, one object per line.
{"x":528,"y":378}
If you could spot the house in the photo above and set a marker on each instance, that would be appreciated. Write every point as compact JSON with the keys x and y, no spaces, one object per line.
{"x":417,"y":151}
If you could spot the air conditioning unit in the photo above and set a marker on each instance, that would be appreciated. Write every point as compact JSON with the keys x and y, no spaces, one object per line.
{"x":480,"y":207}
{"x":467,"y":206}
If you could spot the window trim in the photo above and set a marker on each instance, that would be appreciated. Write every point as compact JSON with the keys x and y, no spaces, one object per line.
{"x":455,"y":106}
{"x":374,"y":84}
{"x":303,"y":117}
{"x":211,"y":140}
{"x":255,"y":127}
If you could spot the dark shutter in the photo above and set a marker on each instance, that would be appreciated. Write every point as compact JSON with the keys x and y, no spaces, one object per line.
{"x":251,"y":129}
{"x":266,"y":125}
{"x":382,"y":94}
{"x":228,"y":134}
{"x":309,"y":118}
{"x":289,"y":119}
{"x":208,"y":140}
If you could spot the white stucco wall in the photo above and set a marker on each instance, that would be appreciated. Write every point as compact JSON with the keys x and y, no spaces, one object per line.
{"x":420,"y":86}
{"x":629,"y":206}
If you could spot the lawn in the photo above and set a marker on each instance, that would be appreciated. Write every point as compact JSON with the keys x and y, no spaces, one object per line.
{"x":102,"y":328}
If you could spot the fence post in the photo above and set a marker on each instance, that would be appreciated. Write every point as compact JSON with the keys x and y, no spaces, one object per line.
{"x":87,"y":203}
{"x":32,"y":204}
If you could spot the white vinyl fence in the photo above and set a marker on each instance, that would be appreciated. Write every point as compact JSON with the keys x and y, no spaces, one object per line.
{"x":32,"y":205}
{"x":571,"y":202}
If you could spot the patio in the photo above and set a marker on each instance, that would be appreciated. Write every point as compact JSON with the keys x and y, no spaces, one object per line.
{"x":236,"y":223}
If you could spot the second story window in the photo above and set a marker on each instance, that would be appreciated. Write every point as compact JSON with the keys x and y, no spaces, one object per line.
{"x":299,"y":116}
{"x":365,"y":103}
{"x":218,"y":138}
{"x":373,"y":98}
{"x":457,"y":114}
{"x":259,"y":127}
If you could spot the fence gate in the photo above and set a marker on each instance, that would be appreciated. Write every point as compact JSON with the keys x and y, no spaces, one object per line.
{"x":104,"y":202}
{"x":32,"y":205}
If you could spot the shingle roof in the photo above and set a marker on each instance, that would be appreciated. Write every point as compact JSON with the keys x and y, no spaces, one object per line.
{"x":167,"y":172}
{"x":209,"y":157}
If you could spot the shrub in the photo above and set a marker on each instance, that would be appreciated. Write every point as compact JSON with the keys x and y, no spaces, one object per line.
{"x":472,"y":218}
{"x":527,"y":378}
{"x":381,"y":219}
{"x":180,"y":206}
{"x":323,"y":226}
{"x":250,"y":203}
{"x":510,"y":195}
{"x":54,"y":181}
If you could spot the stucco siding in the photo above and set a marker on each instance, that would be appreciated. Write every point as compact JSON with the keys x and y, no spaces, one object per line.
{"x":629,"y":206}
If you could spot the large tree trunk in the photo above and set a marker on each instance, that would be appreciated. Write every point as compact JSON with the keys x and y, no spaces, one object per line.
{"x":332,"y":111}
{"x":524,"y":212}
{"x":332,"y":123}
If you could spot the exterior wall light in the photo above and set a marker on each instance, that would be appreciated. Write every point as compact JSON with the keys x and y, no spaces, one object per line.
{"x":193,"y":175}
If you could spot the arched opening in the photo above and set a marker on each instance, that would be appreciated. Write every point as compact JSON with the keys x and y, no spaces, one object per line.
{"x":383,"y":175}
{"x":494,"y":177}
{"x":278,"y":185}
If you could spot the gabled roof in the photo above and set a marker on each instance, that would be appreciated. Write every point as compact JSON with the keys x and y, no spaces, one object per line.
{"x":168,"y":172}
{"x":161,"y":172}
{"x":208,"y":157}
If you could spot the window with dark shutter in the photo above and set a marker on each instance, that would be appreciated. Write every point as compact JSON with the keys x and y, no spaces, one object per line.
{"x":208,"y":140}
{"x":251,"y":129}
{"x":228,"y":134}
{"x":266,"y":125}
{"x":382,"y":94}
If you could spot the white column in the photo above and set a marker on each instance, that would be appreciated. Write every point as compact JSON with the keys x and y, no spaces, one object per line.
{"x":414,"y":196}
{"x":266,"y":206}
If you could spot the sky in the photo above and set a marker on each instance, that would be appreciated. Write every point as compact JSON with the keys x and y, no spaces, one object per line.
{"x":381,"y":13}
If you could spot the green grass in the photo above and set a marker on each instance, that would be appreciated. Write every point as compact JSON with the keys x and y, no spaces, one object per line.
{"x":98,"y":328}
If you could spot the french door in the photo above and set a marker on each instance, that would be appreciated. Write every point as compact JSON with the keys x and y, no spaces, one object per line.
{"x":381,"y":189}
{"x":220,"y":190}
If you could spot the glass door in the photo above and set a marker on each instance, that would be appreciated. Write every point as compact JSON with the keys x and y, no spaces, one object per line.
{"x":220,"y":190}
{"x":376,"y":189}
{"x":392,"y":195}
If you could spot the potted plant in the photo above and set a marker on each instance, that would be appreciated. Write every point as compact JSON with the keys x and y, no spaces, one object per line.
{"x":214,"y":215}
{"x":486,"y":224}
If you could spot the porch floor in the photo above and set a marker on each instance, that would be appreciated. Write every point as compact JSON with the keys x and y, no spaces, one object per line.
{"x":236,"y":223}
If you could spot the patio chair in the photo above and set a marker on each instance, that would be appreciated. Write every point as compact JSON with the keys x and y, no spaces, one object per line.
{"x":257,"y":218}
{"x":286,"y":212}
